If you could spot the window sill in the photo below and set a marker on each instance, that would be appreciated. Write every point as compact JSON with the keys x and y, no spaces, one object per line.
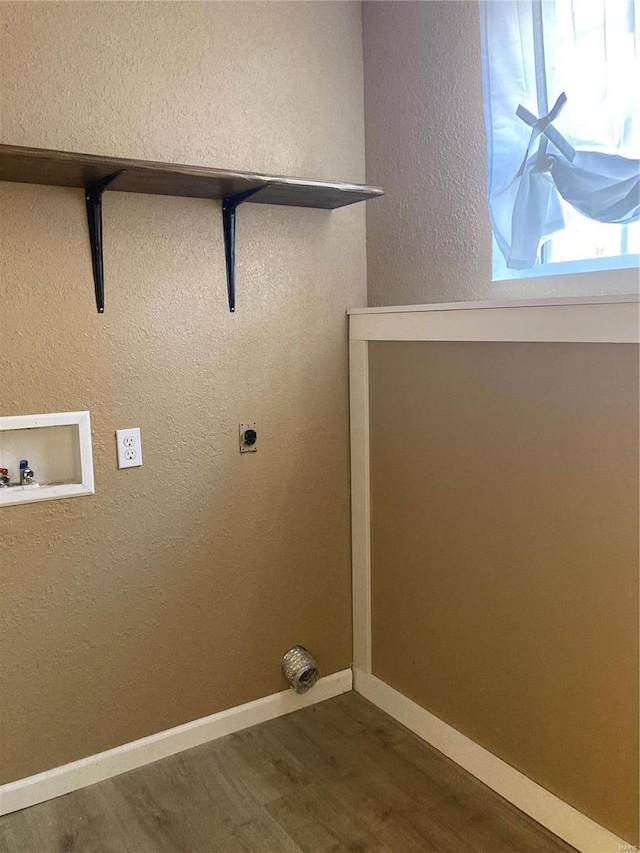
{"x":621,"y":262}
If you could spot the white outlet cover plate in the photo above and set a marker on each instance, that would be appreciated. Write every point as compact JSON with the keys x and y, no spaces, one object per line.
{"x":129,"y":447}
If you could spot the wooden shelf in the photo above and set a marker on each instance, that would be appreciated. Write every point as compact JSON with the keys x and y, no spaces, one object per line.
{"x":67,"y":169}
{"x":96,"y":174}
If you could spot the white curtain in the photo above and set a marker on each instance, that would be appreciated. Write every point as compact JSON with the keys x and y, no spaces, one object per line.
{"x":560,"y":82}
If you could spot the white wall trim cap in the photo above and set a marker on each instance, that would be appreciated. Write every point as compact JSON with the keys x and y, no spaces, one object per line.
{"x":549,"y":302}
{"x":95,"y":768}
{"x":611,"y":321}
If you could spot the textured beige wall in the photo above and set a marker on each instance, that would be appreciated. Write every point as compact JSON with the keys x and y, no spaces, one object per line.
{"x":429,"y":238}
{"x":173,"y":592}
{"x":505,"y":554}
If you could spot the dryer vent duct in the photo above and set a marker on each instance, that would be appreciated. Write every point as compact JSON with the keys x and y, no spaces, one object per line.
{"x":300,"y":669}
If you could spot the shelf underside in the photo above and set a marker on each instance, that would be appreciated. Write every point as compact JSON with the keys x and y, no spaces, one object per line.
{"x":67,"y":169}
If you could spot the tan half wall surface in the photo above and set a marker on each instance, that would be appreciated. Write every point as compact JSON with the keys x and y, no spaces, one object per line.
{"x":504,"y":481}
{"x":174,"y":591}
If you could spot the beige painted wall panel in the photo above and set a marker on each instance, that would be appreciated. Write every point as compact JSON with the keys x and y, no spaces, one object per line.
{"x":173,"y":592}
{"x":505,"y":554}
{"x":429,"y":237}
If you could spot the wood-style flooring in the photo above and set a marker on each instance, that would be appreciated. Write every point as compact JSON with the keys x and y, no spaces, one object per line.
{"x":339,"y":776}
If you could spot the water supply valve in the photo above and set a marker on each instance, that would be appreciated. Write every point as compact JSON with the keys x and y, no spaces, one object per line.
{"x":26,"y":474}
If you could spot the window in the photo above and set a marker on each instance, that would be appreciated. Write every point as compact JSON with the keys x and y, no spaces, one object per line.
{"x":563,"y":132}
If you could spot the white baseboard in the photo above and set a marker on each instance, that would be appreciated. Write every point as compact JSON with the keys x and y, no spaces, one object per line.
{"x":560,"y":818}
{"x":129,"y":756}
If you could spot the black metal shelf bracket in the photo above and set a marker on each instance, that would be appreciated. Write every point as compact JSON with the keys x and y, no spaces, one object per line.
{"x":93,"y":196}
{"x":229,"y":207}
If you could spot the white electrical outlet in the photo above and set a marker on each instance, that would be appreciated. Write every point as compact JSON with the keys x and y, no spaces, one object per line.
{"x":129,"y":447}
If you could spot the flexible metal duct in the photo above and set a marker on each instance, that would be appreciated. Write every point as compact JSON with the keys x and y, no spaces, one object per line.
{"x":300,"y":669}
